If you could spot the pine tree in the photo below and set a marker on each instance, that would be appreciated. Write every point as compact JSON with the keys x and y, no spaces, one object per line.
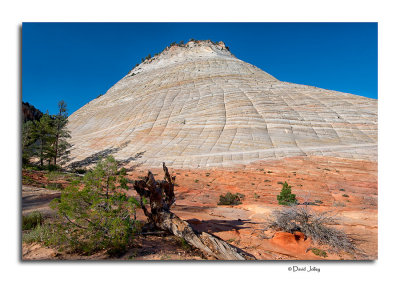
{"x":61,"y":134}
{"x":97,"y":216}
{"x":27,"y":140}
{"x":43,"y":134}
{"x":286,"y":197}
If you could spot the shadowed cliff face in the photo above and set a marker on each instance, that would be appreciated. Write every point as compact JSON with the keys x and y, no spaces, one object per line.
{"x":29,"y":112}
{"x":197,"y":105}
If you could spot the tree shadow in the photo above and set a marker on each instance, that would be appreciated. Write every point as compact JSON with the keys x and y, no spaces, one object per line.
{"x":94,"y":158}
{"x":32,"y":201}
{"x":214,"y":225}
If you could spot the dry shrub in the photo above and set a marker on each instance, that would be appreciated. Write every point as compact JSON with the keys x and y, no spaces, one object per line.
{"x":314,"y":225}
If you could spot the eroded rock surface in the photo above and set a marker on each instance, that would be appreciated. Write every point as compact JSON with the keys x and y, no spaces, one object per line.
{"x":197,"y":105}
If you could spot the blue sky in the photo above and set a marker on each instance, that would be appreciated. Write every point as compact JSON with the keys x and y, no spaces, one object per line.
{"x":76,"y":62}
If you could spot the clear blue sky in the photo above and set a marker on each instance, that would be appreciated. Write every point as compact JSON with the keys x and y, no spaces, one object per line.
{"x":76,"y":62}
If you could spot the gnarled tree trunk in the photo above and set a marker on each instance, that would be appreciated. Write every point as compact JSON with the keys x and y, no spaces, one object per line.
{"x":161,"y":195}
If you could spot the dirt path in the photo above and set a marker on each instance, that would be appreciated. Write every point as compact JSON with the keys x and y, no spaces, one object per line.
{"x":34,"y":198}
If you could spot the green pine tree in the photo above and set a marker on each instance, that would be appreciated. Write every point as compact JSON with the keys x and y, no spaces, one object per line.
{"x":99,"y":215}
{"x":27,"y":141}
{"x":286,"y":197}
{"x":43,"y":134}
{"x":61,"y":134}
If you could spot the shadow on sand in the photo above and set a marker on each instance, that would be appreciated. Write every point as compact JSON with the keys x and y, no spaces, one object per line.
{"x":214,"y":225}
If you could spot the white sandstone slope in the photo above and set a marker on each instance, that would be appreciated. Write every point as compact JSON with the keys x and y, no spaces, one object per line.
{"x":197,"y":105}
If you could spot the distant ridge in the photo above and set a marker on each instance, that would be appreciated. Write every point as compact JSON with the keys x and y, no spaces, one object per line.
{"x":29,"y":112}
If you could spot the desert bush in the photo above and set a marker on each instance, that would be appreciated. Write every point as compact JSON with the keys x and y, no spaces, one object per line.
{"x":286,"y":197}
{"x":99,"y":215}
{"x":54,"y":186}
{"x":52,"y":167}
{"x":345,"y":195}
{"x":46,"y":234}
{"x":27,"y":179}
{"x":32,"y":220}
{"x":30,"y":167}
{"x":184,"y":244}
{"x":37,"y":234}
{"x":319,"y":252}
{"x":313,"y":224}
{"x":55,"y":175}
{"x":338,"y":204}
{"x":230,"y":199}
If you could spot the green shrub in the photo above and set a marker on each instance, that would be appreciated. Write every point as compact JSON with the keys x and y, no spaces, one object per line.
{"x":47,"y":234}
{"x":32,"y":220}
{"x":39,"y":234}
{"x":52,"y":167}
{"x":184,"y":244}
{"x":54,"y":186}
{"x":230,"y":199}
{"x":345,"y":195}
{"x":31,"y":167}
{"x":318,"y":252}
{"x":122,"y":171}
{"x":27,"y":180}
{"x":55,"y":175}
{"x":286,"y":197}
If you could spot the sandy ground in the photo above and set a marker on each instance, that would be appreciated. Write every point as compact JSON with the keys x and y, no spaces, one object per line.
{"x":197,"y":193}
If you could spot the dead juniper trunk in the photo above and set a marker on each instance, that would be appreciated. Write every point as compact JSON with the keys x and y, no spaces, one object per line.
{"x":161,"y":195}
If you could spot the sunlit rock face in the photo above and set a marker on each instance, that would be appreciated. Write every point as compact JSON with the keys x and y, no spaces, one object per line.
{"x":197,"y":105}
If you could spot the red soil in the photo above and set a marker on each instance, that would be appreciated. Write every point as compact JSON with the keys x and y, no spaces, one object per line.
{"x":326,"y":179}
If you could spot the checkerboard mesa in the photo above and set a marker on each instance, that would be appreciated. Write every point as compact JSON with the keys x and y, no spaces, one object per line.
{"x":196,"y":105}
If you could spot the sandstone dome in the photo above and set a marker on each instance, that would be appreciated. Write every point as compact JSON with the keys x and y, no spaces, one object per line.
{"x":197,"y":105}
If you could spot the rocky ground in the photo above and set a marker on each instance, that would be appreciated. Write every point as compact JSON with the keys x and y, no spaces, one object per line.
{"x":347,"y":188}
